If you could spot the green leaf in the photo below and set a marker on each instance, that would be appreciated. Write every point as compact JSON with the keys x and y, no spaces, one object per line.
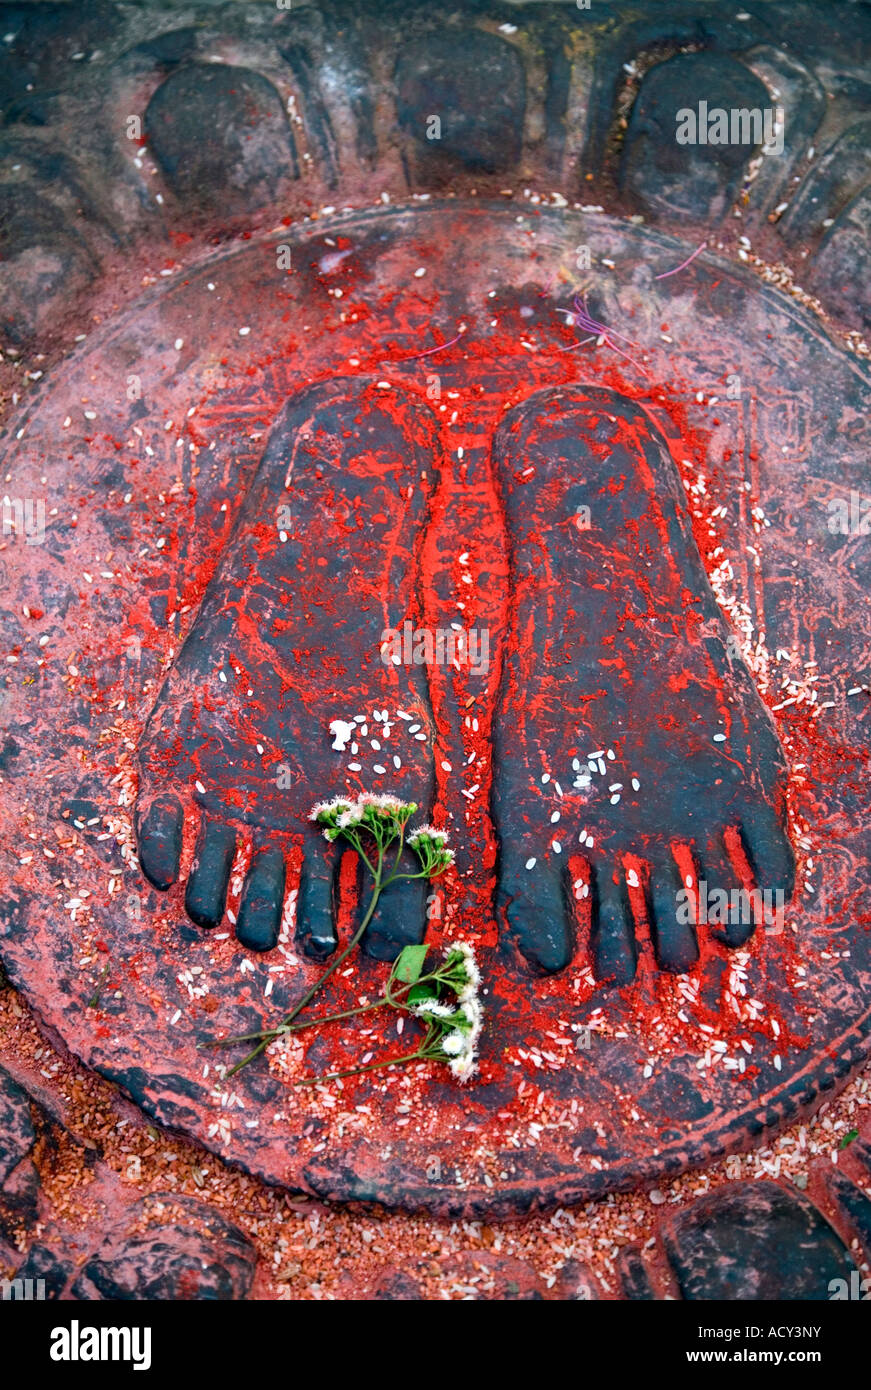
{"x":419,"y":993}
{"x":848,"y":1138}
{"x":409,"y":964}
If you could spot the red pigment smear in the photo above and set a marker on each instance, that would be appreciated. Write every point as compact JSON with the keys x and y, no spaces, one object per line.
{"x":378,"y":333}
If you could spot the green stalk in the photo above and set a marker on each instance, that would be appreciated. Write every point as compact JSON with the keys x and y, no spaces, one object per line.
{"x":267,"y":1036}
{"x":270,"y":1034}
{"x":355,"y":1071}
{"x":331,"y":969}
{"x":282,"y":1029}
{"x":422,"y":1054}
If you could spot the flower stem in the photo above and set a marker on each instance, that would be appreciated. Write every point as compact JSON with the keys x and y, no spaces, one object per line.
{"x":270,"y":1034}
{"x":331,"y":969}
{"x":423,"y":1053}
{"x":355,"y":1071}
{"x":282,"y":1029}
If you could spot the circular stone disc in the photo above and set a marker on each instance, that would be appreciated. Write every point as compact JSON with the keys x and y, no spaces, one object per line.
{"x":143,"y":445}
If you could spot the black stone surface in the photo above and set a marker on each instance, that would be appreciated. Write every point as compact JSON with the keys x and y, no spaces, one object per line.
{"x":189,"y":1253}
{"x":755,"y":1241}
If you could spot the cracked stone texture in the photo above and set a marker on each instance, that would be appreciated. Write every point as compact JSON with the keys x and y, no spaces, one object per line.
{"x":249,"y":113}
{"x":193,"y":1255}
{"x":755,"y":1242}
{"x":19,"y":1181}
{"x":17,"y":1135}
{"x":152,"y":1016}
{"x":75,"y":206}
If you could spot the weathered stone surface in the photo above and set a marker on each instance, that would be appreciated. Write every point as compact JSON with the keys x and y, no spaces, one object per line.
{"x":474,"y":85}
{"x":396,"y":1286}
{"x":46,"y":259}
{"x":841,"y":172}
{"x":221,"y":137}
{"x":634,"y":1279}
{"x":841,"y":269}
{"x":169,"y":49}
{"x":225,"y":148}
{"x":678,"y":180}
{"x":37,"y":285}
{"x":855,"y":1207}
{"x":634,"y":1127}
{"x":43,"y":41}
{"x":490,"y":1277}
{"x":802,"y":96}
{"x":19,"y":1180}
{"x":19,"y":1199}
{"x":862,"y":1152}
{"x":353,"y":89}
{"x":575,"y":1283}
{"x":755,"y":1241}
{"x":45,"y":1265}
{"x":17,"y":1135}
{"x":170,"y":1248}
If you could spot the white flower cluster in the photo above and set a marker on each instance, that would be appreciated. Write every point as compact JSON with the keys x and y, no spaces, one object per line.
{"x":367,"y":810}
{"x":446,"y":999}
{"x":327,"y":813}
{"x":460,"y":1023}
{"x":429,"y":844}
{"x":461,"y":1045}
{"x":466,"y":954}
{"x":387,"y":804}
{"x":428,"y":832}
{"x":385,"y":816}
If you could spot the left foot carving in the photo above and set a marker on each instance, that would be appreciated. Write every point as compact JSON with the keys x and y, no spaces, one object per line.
{"x":625,"y":733}
{"x":323,"y":558}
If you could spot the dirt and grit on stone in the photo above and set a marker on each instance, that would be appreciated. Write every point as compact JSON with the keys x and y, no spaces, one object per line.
{"x":101,"y":1166}
{"x":435,"y":573}
{"x":207,"y":625}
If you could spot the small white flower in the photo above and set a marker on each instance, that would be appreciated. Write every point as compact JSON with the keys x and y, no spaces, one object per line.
{"x":434,"y":1009}
{"x":473,"y":974}
{"x":337,"y":805}
{"x":384,"y":802}
{"x":464,"y":1066}
{"x":429,"y":832}
{"x":454,"y":1044}
{"x":473,"y":1012}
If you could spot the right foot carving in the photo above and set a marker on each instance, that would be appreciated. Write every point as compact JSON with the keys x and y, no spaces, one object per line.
{"x":323,"y":558}
{"x":626,"y":734}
